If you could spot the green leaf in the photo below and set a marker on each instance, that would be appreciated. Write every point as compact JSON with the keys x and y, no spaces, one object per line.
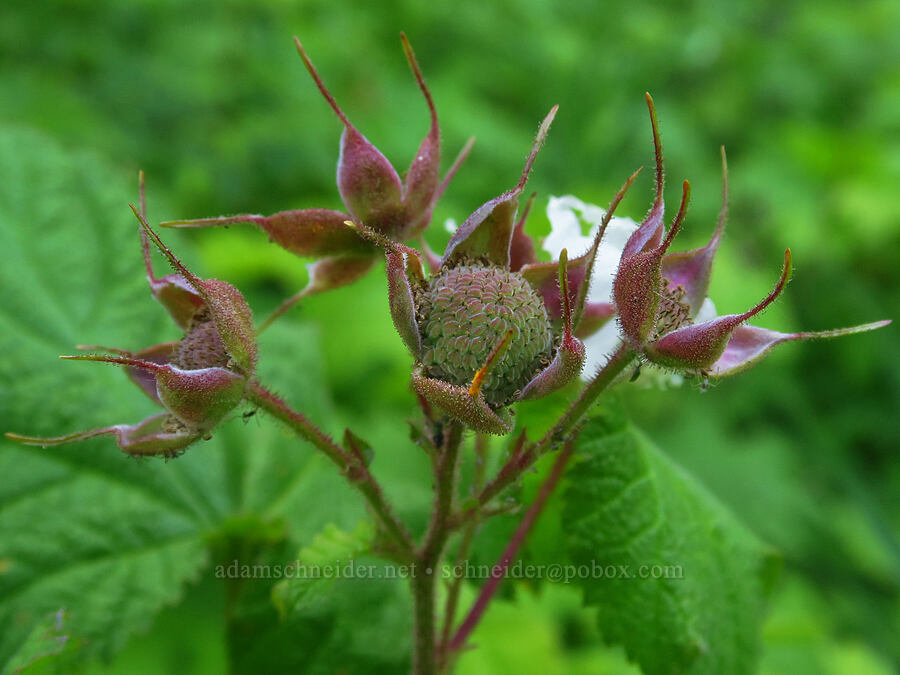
{"x":83,"y":517}
{"x":329,"y":553}
{"x":47,"y":649}
{"x":675,"y":578}
{"x":539,"y":629}
{"x":86,"y":528}
{"x":801,"y":637}
{"x":343,"y":611}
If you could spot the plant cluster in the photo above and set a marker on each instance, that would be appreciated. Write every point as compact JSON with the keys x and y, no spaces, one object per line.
{"x":488,"y":325}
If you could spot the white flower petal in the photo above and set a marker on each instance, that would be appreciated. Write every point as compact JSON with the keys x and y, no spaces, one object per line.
{"x":707,"y":312}
{"x":568,"y":215}
{"x":599,"y":347}
{"x":565,"y":227}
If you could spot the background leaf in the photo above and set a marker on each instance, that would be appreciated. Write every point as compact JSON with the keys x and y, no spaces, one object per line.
{"x":354,"y":618}
{"x":627,"y":505}
{"x":106,"y":538}
{"x":48,"y":649}
{"x":329,"y":552}
{"x":110,"y":539}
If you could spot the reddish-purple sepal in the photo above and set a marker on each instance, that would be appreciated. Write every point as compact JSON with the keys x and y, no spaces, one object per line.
{"x":173,"y":291}
{"x":521,"y":248}
{"x":367,"y":182}
{"x":199,"y":398}
{"x":456,"y":401}
{"x":146,"y":438}
{"x":565,"y":367}
{"x":699,"y":346}
{"x":487,"y":233}
{"x":417,"y":222}
{"x":143,"y":378}
{"x":569,"y":358}
{"x":401,"y":279}
{"x":423,"y":175}
{"x":691,"y":269}
{"x":308,"y":233}
{"x":636,"y":288}
{"x":225,"y":303}
{"x":650,"y":233}
{"x":177,"y":296}
{"x":235,"y":323}
{"x":543,"y":277}
{"x":749,"y":345}
{"x":161,"y":354}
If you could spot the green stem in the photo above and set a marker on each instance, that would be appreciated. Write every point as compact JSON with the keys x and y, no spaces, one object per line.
{"x":423,"y":589}
{"x":465,"y":543}
{"x":360,"y":476}
{"x":428,"y":557}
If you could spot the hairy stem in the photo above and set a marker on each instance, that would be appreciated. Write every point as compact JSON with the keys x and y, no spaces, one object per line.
{"x":357,"y":472}
{"x":512,"y":548}
{"x":618,"y":362}
{"x":428,"y":557}
{"x":423,"y":589}
{"x":465,"y":544}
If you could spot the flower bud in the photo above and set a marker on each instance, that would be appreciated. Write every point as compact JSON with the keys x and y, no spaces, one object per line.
{"x":372,"y":191}
{"x":658,"y":296}
{"x":197,"y":380}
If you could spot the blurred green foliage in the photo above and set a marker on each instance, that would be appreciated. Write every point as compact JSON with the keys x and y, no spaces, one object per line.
{"x":212,"y":101}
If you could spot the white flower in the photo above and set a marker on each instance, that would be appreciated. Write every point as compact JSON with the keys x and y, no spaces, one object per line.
{"x":707,"y":312}
{"x":567,"y":216}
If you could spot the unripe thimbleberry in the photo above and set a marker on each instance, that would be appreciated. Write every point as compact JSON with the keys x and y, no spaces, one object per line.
{"x":493,"y":326}
{"x":466,"y":311}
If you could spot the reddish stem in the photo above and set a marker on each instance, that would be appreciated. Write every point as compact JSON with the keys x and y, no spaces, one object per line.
{"x":509,"y":554}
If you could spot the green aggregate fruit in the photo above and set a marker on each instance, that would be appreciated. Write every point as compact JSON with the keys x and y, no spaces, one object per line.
{"x":466,"y":311}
